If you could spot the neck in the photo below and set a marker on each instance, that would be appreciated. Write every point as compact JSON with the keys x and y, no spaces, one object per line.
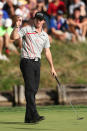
{"x":56,"y":1}
{"x":38,"y":29}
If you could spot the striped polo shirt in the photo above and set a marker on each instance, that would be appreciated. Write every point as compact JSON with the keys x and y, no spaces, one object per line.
{"x":33,"y":42}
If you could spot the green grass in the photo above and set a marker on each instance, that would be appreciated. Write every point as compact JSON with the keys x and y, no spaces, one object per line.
{"x":58,"y":118}
{"x":70,"y":62}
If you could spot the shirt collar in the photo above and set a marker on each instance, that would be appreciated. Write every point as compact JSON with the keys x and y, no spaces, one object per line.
{"x":34,"y":29}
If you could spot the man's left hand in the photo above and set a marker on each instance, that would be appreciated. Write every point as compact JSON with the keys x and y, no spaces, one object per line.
{"x":53,"y":72}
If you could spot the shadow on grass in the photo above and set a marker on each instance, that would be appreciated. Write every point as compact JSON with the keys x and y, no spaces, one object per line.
{"x":17,"y":123}
{"x":32,"y":129}
{"x":22,"y":123}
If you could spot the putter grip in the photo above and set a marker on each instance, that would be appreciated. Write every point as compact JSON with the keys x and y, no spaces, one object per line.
{"x":57,"y":81}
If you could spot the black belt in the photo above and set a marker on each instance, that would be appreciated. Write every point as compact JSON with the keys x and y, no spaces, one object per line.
{"x":36,"y":59}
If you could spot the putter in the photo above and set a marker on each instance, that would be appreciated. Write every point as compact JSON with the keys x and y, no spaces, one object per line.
{"x":75,"y":111}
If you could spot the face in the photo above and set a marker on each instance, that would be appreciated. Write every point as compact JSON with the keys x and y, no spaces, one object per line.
{"x":19,"y":18}
{"x":39,"y":7}
{"x":38,"y":23}
{"x":76,"y":1}
{"x":59,"y":17}
{"x":77,"y":14}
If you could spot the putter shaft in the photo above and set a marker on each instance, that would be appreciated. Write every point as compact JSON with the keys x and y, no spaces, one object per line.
{"x":78,"y":118}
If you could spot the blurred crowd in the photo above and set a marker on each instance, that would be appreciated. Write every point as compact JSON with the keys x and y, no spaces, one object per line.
{"x":65,"y":20}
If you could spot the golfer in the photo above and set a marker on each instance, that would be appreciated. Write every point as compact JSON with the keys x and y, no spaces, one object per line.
{"x":34,"y":39}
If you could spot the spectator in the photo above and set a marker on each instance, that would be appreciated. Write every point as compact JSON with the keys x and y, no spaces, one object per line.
{"x":2,"y":57}
{"x":59,"y":27}
{"x":54,"y":6}
{"x":32,"y":14}
{"x":76,"y":4}
{"x":9,"y":8}
{"x":78,"y":25}
{"x":31,"y":4}
{"x":3,"y":1}
{"x":5,"y":14}
{"x":22,"y":11}
{"x":1,"y":18}
{"x":5,"y":32}
{"x":41,"y":6}
{"x":14,"y":2}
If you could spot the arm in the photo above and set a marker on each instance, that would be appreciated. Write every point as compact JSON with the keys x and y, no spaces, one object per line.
{"x":70,"y":21}
{"x":14,"y":34}
{"x":58,"y":34}
{"x":54,"y":31}
{"x":83,"y":23}
{"x":49,"y":58}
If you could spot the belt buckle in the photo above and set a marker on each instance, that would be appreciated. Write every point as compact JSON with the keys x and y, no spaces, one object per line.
{"x":36,"y":59}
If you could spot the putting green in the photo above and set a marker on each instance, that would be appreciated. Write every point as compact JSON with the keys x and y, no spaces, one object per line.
{"x":58,"y":118}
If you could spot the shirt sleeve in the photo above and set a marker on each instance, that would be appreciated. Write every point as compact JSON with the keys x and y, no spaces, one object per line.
{"x":82,"y":3}
{"x":49,"y":9}
{"x":70,"y":10}
{"x":47,"y":43}
{"x":22,"y":32}
{"x":52,"y":23}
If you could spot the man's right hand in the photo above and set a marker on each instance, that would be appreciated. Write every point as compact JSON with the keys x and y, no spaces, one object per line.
{"x":18,"y":21}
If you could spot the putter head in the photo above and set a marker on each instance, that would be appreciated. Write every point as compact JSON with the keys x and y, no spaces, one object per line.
{"x":80,"y":118}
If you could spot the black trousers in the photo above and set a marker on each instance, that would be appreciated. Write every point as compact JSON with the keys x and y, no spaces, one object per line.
{"x":31,"y":74}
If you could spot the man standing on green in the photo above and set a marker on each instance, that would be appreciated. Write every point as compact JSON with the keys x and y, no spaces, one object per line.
{"x":34,"y":39}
